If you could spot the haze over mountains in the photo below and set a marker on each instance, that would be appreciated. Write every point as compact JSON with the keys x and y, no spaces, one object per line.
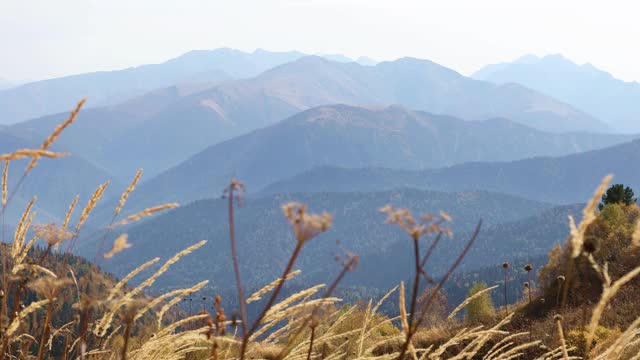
{"x":583,"y":86}
{"x":566,"y":179}
{"x":179,"y":121}
{"x":354,"y":137}
{"x":344,"y":136}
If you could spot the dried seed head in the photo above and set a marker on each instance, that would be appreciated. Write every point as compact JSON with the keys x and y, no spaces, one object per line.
{"x":120,"y":244}
{"x":557,"y":317}
{"x":427,"y":224}
{"x":505,"y":265}
{"x":306,"y":226}
{"x":52,"y":234}
{"x":591,"y":245}
{"x":561,"y":278}
{"x":526,"y":284}
{"x":528,"y":267}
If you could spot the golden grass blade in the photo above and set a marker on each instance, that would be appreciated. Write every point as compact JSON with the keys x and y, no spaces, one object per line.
{"x":588,"y":216}
{"x":144,"y":213}
{"x":182,"y":294}
{"x":469,"y":300}
{"x":67,"y":216}
{"x":56,"y":132}
{"x":5,"y":175}
{"x":635,"y":237}
{"x":129,"y":276}
{"x":32,"y":153}
{"x":258,"y":294}
{"x":22,"y":314}
{"x":91,"y":204}
{"x":608,"y":293}
{"x":127,"y":192}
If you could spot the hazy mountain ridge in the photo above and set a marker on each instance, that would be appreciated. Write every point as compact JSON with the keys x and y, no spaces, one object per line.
{"x":109,"y":87}
{"x":353,"y":137}
{"x":180,"y":121}
{"x":584,"y":86}
{"x":565,"y":179}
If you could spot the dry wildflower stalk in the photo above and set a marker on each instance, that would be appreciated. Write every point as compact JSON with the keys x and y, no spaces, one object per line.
{"x":120,"y":244}
{"x":5,"y":174}
{"x":144,"y":213}
{"x":127,"y":192}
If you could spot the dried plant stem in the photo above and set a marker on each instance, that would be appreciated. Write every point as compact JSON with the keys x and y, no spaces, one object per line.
{"x":416,"y":279}
{"x":45,"y":330}
{"x":127,"y":335}
{"x":272,"y":299}
{"x":563,"y":343}
{"x":427,"y":305}
{"x":313,"y":333}
{"x":236,"y":267}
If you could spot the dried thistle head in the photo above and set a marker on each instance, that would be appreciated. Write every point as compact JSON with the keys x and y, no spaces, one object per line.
{"x":528,"y":267}
{"x":526,"y":284}
{"x":235,"y":190}
{"x":52,"y":234}
{"x":561,"y":278}
{"x":591,"y":245}
{"x":49,"y":287}
{"x":428,"y":223}
{"x":505,"y":265}
{"x":305,"y":225}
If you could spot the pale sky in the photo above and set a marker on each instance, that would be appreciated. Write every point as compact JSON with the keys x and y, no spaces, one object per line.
{"x":46,"y":38}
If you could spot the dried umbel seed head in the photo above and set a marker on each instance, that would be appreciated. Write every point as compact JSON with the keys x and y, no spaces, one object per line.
{"x":561,"y":278}
{"x":526,"y":284}
{"x":591,"y":245}
{"x":306,"y":226}
{"x":52,"y":234}
{"x":427,"y":224}
{"x":505,"y":265}
{"x":528,"y":267}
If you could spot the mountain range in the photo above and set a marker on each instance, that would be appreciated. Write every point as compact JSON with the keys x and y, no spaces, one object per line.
{"x":583,"y":86}
{"x":566,"y":179}
{"x":355,"y":137}
{"x":162,"y":128}
{"x":45,"y":97}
